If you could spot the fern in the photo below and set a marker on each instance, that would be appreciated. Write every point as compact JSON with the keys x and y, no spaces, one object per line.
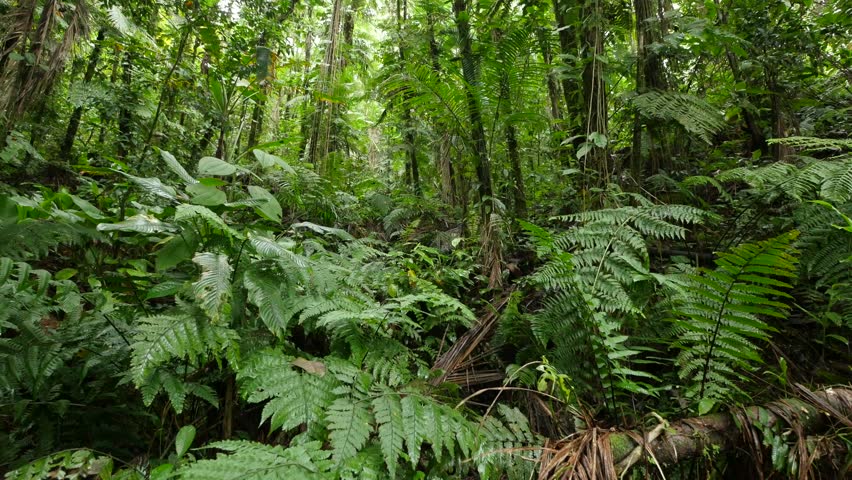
{"x":349,"y":426}
{"x":590,"y":274}
{"x":294,"y":398}
{"x":163,"y":338}
{"x":694,"y":114}
{"x":250,"y":460}
{"x":32,"y":239}
{"x":827,"y":179}
{"x":720,"y":314}
{"x":388,"y":411}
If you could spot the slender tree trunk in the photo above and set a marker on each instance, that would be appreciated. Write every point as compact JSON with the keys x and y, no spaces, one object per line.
{"x":553,"y":95}
{"x":443,"y":146}
{"x":552,"y":83}
{"x":650,"y":75}
{"x":166,"y":89}
{"x":758,"y":139}
{"x":519,"y":201}
{"x":77,"y":114}
{"x":566,"y":15}
{"x":779,"y":126}
{"x":320,"y":144}
{"x":306,"y":119}
{"x":594,"y":88}
{"x":412,"y":168}
{"x":491,"y":244}
{"x":258,"y":112}
{"x":125,"y":133}
{"x":518,"y":192}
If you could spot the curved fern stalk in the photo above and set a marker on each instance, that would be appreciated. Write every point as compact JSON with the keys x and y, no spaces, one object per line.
{"x":719,"y":314}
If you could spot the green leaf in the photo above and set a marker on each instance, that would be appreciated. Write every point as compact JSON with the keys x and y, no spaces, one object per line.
{"x":179,"y":249}
{"x":598,"y":139}
{"x":164,"y":289}
{"x":270,"y":209}
{"x":206,"y":195}
{"x":177,"y":168}
{"x":213,"y":289}
{"x":141,"y":223}
{"x":706,"y":406}
{"x":184,"y":440}
{"x":216,"y":167}
{"x":349,"y":427}
{"x":65,"y":274}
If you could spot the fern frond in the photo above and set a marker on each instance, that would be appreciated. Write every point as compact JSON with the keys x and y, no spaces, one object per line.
{"x":388,"y":412}
{"x":720,"y":314}
{"x":162,"y":338}
{"x":293,"y":398}
{"x":694,"y":114}
{"x":350,"y":425}
{"x":256,"y":461}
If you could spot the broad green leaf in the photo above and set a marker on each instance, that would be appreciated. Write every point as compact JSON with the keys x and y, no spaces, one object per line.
{"x":176,"y":167}
{"x":206,"y":195}
{"x":142,"y":223}
{"x":267,"y":161}
{"x":270,"y":209}
{"x":164,"y":289}
{"x":184,"y":440}
{"x":179,"y":249}
{"x":216,"y":167}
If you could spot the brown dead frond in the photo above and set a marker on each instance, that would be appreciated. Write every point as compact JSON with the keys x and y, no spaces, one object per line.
{"x":587,"y":456}
{"x":454,"y":360}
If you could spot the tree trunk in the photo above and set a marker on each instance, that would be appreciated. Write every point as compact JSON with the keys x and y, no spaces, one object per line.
{"x":257,"y":113}
{"x":491,"y":244}
{"x":569,"y":46}
{"x":594,"y":89}
{"x":125,"y":132}
{"x":306,"y":74}
{"x":77,"y":114}
{"x":412,"y":169}
{"x":443,"y":147}
{"x":320,"y":145}
{"x":692,"y":438}
{"x":166,"y":89}
{"x":758,"y":139}
{"x":519,"y":201}
{"x":779,"y":126}
{"x":650,"y":75}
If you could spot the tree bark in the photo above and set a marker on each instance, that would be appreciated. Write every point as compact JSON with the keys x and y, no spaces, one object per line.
{"x":492,"y":249}
{"x":77,"y":114}
{"x":594,"y":89}
{"x":165,"y":90}
{"x":125,"y":133}
{"x":688,"y":439}
{"x":650,"y":75}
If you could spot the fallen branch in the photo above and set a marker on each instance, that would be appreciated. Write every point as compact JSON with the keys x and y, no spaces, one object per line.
{"x":599,"y":454}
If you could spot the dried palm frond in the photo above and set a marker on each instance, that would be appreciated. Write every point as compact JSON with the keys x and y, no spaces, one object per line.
{"x":457,"y":358}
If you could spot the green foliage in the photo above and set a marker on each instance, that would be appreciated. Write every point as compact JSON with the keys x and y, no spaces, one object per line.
{"x":719,"y":315}
{"x":694,"y":114}
{"x":161,"y":339}
{"x":595,"y":275}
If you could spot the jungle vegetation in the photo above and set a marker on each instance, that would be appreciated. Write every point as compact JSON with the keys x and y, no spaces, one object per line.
{"x":425,"y":239}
